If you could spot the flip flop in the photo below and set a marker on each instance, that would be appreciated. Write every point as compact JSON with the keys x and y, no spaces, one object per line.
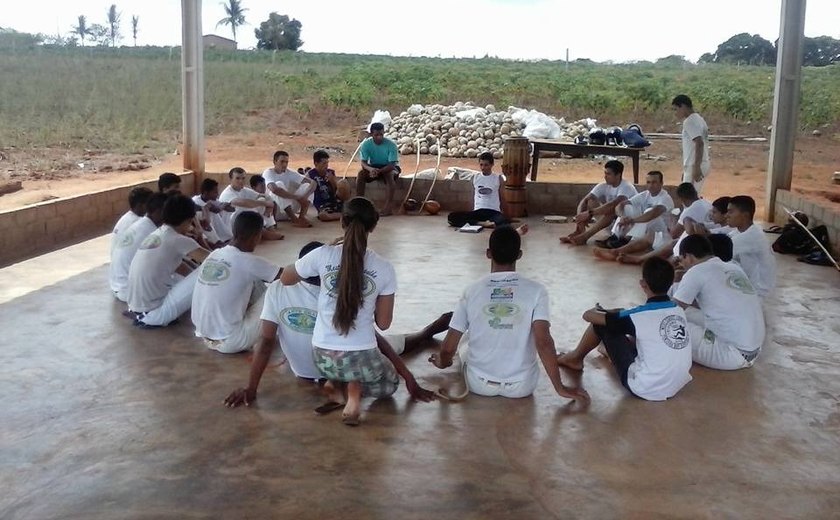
{"x":328,"y":407}
{"x":776,"y":230}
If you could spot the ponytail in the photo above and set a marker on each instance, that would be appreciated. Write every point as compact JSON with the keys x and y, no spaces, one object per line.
{"x":359,"y":219}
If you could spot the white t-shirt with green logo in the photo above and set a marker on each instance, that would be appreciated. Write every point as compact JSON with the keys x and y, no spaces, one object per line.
{"x":293,"y":309}
{"x":223,"y":290}
{"x":498,"y":311}
{"x":379,"y":279}
{"x":151,"y":273}
{"x":731,"y":308}
{"x":123,"y":249}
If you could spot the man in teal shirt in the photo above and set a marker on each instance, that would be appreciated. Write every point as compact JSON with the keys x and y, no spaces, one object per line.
{"x":380,"y":161}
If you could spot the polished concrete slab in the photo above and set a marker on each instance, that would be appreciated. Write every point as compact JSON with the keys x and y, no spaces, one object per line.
{"x":101,"y":420}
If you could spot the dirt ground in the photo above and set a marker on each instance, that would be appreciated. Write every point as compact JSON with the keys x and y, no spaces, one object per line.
{"x":737,"y":167}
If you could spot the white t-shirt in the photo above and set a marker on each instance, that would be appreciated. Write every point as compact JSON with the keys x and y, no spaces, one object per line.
{"x":487,"y":192}
{"x":150,"y":274}
{"x":663,"y":361}
{"x":753,"y":253}
{"x":730,"y":306}
{"x":645,"y":201}
{"x":694,"y":126}
{"x":223,"y":290}
{"x":498,"y":311}
{"x":606,"y":193}
{"x":288,"y":180}
{"x":217,"y":221}
{"x":229,"y":195}
{"x":125,"y":221}
{"x":124,"y":247}
{"x":293,"y":309}
{"x":379,"y":279}
{"x":700,"y":212}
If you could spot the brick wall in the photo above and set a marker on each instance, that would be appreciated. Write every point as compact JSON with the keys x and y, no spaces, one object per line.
{"x":817,"y":215}
{"x":58,"y":223}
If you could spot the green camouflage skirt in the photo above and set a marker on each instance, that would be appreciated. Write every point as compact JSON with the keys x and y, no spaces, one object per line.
{"x":370,"y":367}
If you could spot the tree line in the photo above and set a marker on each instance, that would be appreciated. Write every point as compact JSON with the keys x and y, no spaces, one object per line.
{"x":278,"y":32}
{"x":747,"y":49}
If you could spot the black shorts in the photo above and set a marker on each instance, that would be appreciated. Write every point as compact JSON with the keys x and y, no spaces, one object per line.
{"x":621,"y":350}
{"x":381,"y":178}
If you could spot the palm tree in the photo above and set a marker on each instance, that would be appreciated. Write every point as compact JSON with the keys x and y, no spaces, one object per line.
{"x":235,"y":15}
{"x":82,"y":29}
{"x":113,"y":25}
{"x":134,"y":21}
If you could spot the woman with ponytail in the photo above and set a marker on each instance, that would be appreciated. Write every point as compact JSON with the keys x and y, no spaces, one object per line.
{"x":357,"y":292}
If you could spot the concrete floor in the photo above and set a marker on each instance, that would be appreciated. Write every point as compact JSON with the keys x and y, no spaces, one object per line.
{"x":101,"y":420}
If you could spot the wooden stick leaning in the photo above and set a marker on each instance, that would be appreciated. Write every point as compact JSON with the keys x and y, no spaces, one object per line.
{"x":344,"y":177}
{"x":401,"y":209}
{"x":803,"y":226}
{"x":434,"y":179}
{"x":343,"y":180}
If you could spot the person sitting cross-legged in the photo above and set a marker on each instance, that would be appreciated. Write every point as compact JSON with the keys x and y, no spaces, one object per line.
{"x":327,"y":201}
{"x":642,"y":222}
{"x":160,"y":282}
{"x":648,"y":345}
{"x":228,"y":294}
{"x":290,"y":190}
{"x":507,"y":316}
{"x":727,"y":332}
{"x":128,"y":242}
{"x":243,"y":198}
{"x":600,"y":204}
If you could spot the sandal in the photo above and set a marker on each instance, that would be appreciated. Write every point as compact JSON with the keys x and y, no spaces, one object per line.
{"x":776,"y":230}
{"x":328,"y":407}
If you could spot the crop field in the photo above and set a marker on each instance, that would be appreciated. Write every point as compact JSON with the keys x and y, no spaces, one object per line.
{"x":128,"y":100}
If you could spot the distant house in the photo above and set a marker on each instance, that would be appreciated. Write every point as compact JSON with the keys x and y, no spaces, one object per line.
{"x":211,"y":41}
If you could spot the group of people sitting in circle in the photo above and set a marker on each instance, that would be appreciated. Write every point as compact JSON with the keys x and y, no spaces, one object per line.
{"x":171,"y":253}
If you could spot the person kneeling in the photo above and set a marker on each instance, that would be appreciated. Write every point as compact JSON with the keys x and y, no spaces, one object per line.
{"x":501,"y":358}
{"x":228,"y":295}
{"x":155,"y":296}
{"x":648,"y":345}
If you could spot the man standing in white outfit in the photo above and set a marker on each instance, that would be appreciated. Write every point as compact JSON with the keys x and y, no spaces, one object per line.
{"x":290,"y":190}
{"x":228,"y":296}
{"x":732,"y":330}
{"x":507,"y":317}
{"x":695,"y":143}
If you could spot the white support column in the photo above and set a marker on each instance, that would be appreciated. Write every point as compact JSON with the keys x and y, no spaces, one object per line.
{"x":786,"y":101}
{"x":192,"y":87}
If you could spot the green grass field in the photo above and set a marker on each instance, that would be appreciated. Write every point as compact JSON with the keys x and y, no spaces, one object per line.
{"x":127,"y":100}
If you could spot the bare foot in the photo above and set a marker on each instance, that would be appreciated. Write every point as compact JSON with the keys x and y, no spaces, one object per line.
{"x":630,"y":259}
{"x":333,"y":393}
{"x":353,"y":408}
{"x":569,"y":361}
{"x":302,"y":223}
{"x":578,"y":240}
{"x":566,"y":239}
{"x":522,"y":230}
{"x":604,"y":254}
{"x":272,"y":234}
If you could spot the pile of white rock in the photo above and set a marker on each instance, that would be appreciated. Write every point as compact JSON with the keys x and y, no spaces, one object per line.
{"x":465,"y":130}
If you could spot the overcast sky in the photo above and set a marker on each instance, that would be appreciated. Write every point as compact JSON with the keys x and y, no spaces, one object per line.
{"x":617,"y":30}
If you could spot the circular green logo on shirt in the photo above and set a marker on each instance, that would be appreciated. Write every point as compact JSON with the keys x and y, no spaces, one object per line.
{"x":126,"y":239}
{"x":299,"y":319}
{"x":152,"y":241}
{"x":739,"y":282}
{"x":213,"y":273}
{"x":330,"y":282}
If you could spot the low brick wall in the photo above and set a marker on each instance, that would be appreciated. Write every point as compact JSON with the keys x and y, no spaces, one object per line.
{"x":817,"y":215}
{"x":58,"y":223}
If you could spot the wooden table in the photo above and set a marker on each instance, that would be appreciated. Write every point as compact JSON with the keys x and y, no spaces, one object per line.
{"x":540,"y":145}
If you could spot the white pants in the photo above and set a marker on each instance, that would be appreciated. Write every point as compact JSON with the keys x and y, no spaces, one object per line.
{"x":711,"y":351}
{"x":292,"y":204}
{"x":248,"y":332}
{"x":637,"y":231}
{"x":176,"y":303}
{"x":514,"y":389}
{"x":698,"y":185}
